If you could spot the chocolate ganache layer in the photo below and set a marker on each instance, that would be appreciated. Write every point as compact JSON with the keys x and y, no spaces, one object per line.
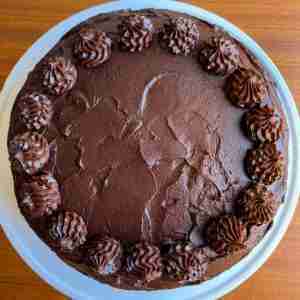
{"x":149,"y":149}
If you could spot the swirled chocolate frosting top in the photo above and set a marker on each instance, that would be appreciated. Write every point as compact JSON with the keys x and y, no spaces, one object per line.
{"x":149,"y":149}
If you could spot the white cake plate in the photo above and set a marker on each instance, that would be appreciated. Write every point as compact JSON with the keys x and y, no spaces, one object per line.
{"x":66,"y":279}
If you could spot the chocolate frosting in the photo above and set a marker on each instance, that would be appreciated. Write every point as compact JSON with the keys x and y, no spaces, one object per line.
{"x":226,"y":234}
{"x":257,"y":205}
{"x":220,"y":56}
{"x":146,"y":150}
{"x":93,"y":47}
{"x":186,"y":263}
{"x":67,"y":231}
{"x":60,"y":75}
{"x":246,"y":88}
{"x":145,"y":262}
{"x":104,"y":256}
{"x":41,"y":196}
{"x":180,"y":35}
{"x":136,"y":33}
{"x":265,"y":163}
{"x":31,"y":150}
{"x":35,"y":110}
{"x":263,"y":124}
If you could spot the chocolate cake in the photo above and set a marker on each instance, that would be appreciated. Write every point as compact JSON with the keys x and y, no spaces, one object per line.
{"x":149,"y":149}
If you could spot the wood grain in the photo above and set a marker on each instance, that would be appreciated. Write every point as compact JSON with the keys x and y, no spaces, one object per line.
{"x":275,"y":25}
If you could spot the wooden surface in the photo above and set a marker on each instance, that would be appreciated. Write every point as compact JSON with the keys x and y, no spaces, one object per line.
{"x":275,"y":25}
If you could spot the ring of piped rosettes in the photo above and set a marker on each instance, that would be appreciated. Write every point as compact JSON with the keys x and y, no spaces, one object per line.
{"x":225,"y":234}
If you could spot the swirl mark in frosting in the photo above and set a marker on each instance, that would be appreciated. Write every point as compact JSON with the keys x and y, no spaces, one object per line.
{"x":155,"y":80}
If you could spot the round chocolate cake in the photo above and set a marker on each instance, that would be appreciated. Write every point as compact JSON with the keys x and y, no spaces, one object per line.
{"x":149,"y":149}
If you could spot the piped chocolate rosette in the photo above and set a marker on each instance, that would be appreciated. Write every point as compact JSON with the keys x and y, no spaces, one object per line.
{"x":265,"y":164}
{"x":145,"y":262}
{"x":30,"y":150}
{"x":60,"y":75}
{"x":186,"y":263}
{"x":220,"y":56}
{"x":40,"y":196}
{"x":226,"y":234}
{"x":246,"y":88}
{"x":180,"y":36}
{"x":36,"y":110}
{"x":136,"y":33}
{"x":93,"y":47}
{"x":257,"y":205}
{"x":104,"y":256}
{"x":67,"y":231}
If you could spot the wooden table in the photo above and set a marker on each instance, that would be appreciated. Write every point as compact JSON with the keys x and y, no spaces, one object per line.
{"x":274,"y":24}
